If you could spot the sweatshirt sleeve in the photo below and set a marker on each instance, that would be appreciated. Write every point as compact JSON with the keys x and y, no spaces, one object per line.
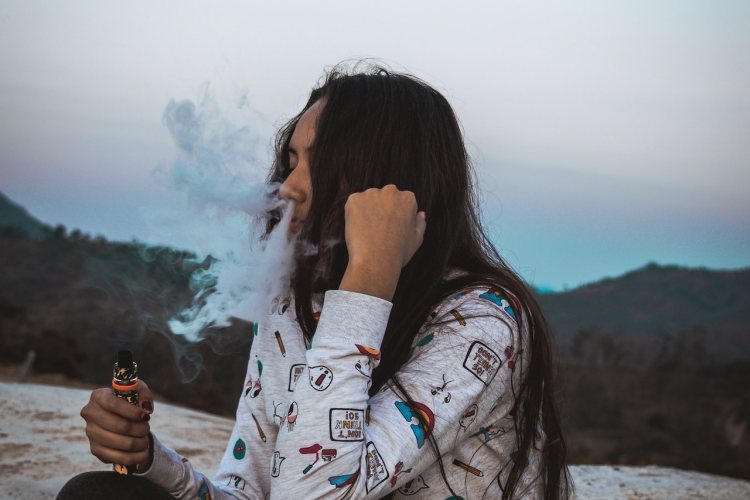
{"x":243,"y":472}
{"x":345,"y":444}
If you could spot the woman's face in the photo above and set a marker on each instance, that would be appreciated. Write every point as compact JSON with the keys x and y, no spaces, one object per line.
{"x":297,"y":187}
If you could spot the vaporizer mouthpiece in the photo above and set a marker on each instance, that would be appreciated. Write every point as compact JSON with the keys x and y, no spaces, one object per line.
{"x":125,"y":370}
{"x":125,"y":359}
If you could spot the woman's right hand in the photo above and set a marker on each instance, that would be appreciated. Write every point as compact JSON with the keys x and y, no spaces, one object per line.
{"x":118,"y":431}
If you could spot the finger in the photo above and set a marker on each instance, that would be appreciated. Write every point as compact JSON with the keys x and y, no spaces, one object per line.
{"x":111,"y":456}
{"x":114,"y":441}
{"x":119,"y":425}
{"x":106,"y":399}
{"x":145,"y":397}
{"x":92,"y":413}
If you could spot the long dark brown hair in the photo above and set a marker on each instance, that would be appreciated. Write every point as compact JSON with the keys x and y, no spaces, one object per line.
{"x":379,"y":127}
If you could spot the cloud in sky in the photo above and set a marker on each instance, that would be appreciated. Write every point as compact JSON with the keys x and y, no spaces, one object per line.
{"x":590,"y":123}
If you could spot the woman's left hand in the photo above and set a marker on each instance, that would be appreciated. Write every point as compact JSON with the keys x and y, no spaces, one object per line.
{"x":383,"y":232}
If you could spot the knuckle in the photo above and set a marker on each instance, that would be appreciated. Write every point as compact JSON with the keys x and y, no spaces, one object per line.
{"x":124,"y":427}
{"x":134,"y":444}
{"x":100,"y":394}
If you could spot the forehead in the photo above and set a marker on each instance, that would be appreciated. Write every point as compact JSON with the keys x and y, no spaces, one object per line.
{"x":304,"y":132}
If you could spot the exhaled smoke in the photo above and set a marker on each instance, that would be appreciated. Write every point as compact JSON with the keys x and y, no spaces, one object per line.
{"x":221,"y":169}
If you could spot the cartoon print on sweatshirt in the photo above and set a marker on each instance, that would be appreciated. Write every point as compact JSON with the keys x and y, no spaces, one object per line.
{"x":422,"y":342}
{"x":316,"y":449}
{"x":343,"y":480}
{"x":252,"y":388}
{"x":468,"y":417}
{"x":466,"y":420}
{"x":511,"y":357}
{"x":397,"y":471}
{"x":279,"y":306}
{"x":280,"y":342}
{"x":295,"y":372}
{"x":291,"y":416}
{"x":372,"y":354}
{"x":278,"y":418}
{"x":495,"y":296}
{"x":367,"y":415}
{"x":413,"y":487}
{"x":409,"y":411}
{"x":482,"y":362}
{"x":361,"y":368}
{"x":239,"y":449}
{"x":261,"y":434}
{"x":490,"y":432}
{"x":203,"y":493}
{"x":377,"y":472}
{"x":459,"y":318}
{"x":440,"y":390}
{"x":345,"y":424}
{"x":468,"y":468}
{"x":276,"y":464}
{"x":237,"y":481}
{"x":320,"y":377}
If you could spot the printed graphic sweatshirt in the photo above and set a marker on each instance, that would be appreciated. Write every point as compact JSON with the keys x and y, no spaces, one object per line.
{"x":306,"y":427}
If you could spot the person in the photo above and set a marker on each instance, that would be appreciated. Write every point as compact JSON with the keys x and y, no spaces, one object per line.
{"x":408,"y":360}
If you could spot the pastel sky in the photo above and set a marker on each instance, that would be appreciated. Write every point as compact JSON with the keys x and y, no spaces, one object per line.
{"x":604,"y":134}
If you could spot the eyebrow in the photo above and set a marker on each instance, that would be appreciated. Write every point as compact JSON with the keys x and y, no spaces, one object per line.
{"x":293,"y":150}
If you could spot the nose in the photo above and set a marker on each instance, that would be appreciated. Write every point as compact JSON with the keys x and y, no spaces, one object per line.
{"x":293,"y":189}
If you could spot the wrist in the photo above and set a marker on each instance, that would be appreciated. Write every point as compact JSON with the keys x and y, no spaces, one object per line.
{"x":378,"y":279}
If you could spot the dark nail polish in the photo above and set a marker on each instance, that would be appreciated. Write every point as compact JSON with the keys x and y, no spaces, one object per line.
{"x":146,"y":405}
{"x":145,"y":417}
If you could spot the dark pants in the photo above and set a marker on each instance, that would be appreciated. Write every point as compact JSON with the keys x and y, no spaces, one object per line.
{"x":111,"y":486}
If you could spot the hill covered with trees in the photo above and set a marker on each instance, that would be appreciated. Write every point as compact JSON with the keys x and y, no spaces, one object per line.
{"x":653,"y":365}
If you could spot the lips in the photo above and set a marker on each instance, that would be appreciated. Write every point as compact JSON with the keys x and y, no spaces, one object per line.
{"x":296,"y":224}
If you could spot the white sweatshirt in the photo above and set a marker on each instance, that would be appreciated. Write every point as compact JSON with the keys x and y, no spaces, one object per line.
{"x":306,"y":427}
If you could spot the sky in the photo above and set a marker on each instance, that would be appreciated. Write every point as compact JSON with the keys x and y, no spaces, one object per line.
{"x":604,"y":135}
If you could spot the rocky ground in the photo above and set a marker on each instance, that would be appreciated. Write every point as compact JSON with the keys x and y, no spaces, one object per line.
{"x":42,"y":444}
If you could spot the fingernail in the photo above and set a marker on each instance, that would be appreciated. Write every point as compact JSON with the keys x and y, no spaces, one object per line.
{"x":146,"y":405}
{"x":145,"y":417}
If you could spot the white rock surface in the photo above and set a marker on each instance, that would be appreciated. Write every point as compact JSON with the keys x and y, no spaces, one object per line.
{"x":42,"y":445}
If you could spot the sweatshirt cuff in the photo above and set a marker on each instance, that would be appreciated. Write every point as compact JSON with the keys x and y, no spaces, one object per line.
{"x":167,"y":468}
{"x":352,"y":316}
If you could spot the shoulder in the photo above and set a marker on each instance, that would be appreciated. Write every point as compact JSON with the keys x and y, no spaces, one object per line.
{"x":478,"y":301}
{"x":473,"y":318}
